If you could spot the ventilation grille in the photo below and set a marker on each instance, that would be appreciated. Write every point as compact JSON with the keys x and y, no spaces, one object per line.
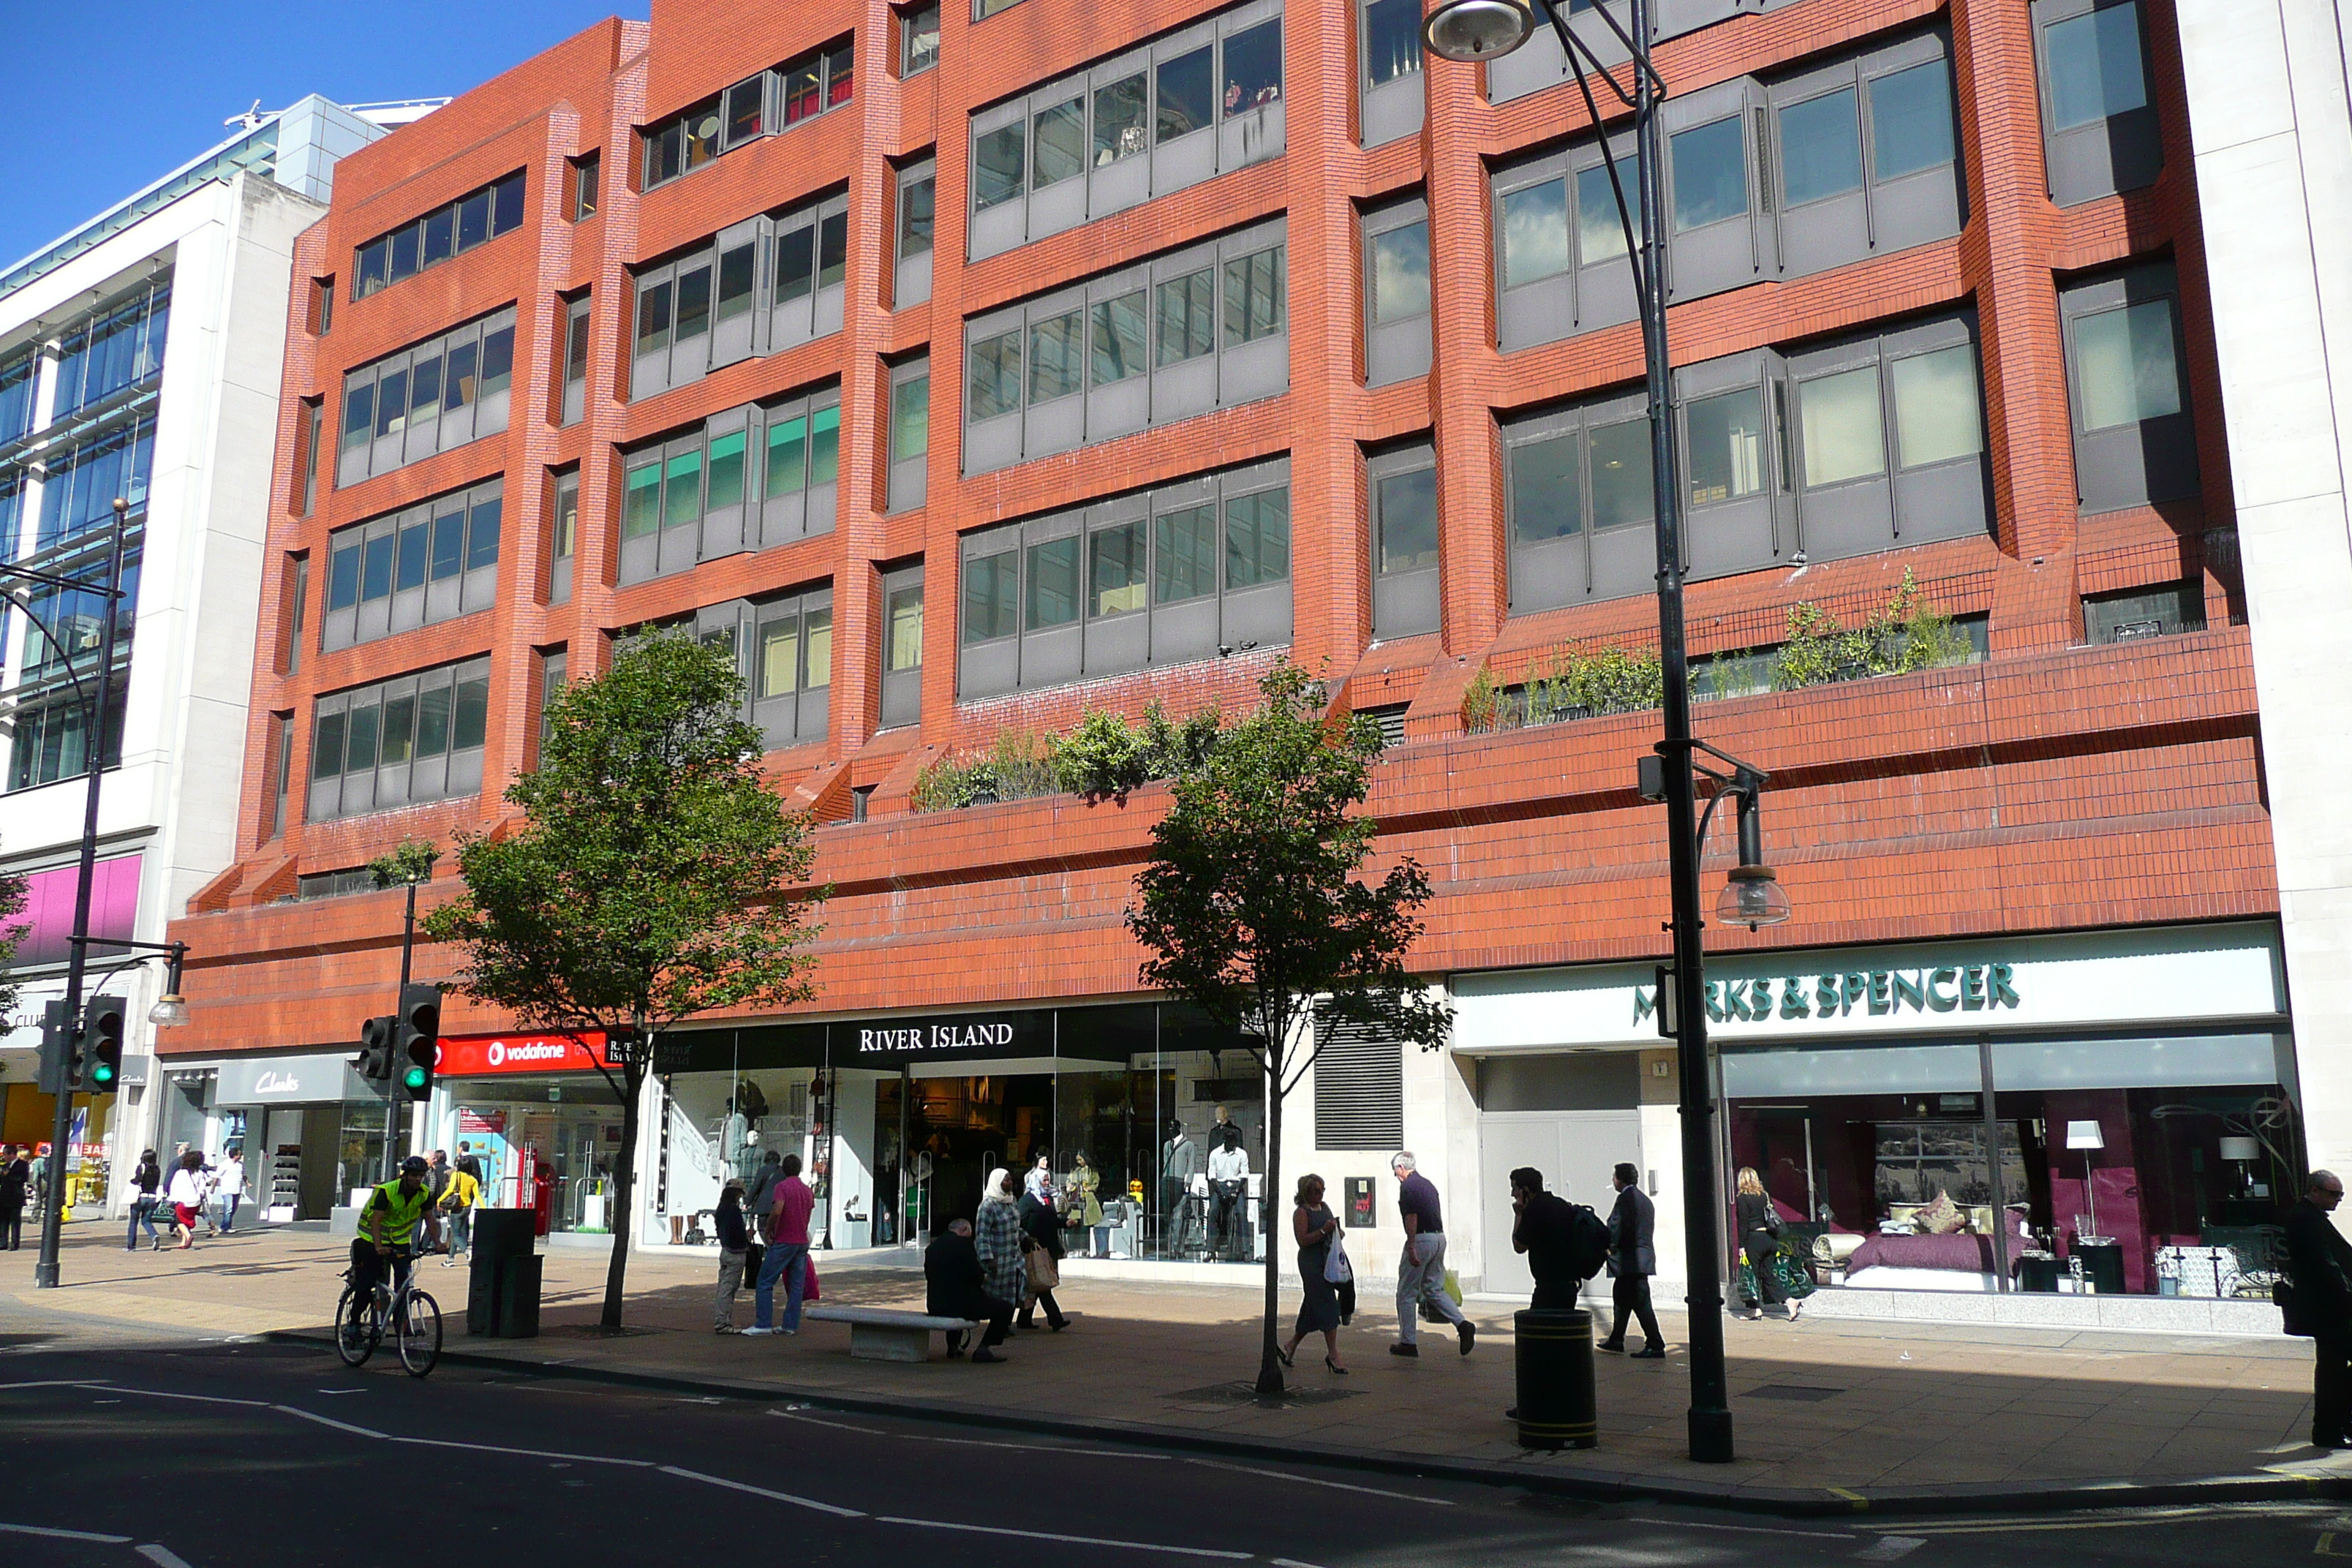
{"x":1391,"y":720}
{"x":1359,"y":1087}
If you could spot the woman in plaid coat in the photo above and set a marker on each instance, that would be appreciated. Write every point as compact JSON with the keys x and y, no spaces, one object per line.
{"x":996,"y":1233}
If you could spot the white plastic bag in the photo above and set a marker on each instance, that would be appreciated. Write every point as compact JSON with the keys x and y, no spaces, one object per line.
{"x":1336,"y":1268}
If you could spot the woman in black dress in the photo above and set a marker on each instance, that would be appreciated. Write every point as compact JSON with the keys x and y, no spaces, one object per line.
{"x":1315,"y":1228}
{"x":1758,"y":1226}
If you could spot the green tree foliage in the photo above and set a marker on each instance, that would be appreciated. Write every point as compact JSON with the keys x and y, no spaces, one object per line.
{"x":1104,"y":758}
{"x":1257,"y":906}
{"x":411,"y":862}
{"x":655,"y":875}
{"x":1905,"y":634}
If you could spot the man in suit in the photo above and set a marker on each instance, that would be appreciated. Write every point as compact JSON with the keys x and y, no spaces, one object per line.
{"x":2319,"y":1262}
{"x":1633,"y":1259}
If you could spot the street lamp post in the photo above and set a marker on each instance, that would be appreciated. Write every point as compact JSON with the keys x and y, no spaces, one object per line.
{"x":1476,"y":30}
{"x":411,"y":874}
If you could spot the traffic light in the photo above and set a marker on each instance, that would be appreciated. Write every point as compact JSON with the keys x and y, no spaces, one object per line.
{"x":56,"y":1073}
{"x":374,"y":1061}
{"x":101,"y":1044}
{"x":418,"y":1030}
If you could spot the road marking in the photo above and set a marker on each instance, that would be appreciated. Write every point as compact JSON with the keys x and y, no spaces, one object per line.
{"x":1318,"y":1481}
{"x":1891,"y":1549}
{"x":1290,"y":1562}
{"x":967,"y":1442}
{"x":2171,"y":1517}
{"x":524,"y":1453}
{"x":763,"y":1491}
{"x":342,"y":1391}
{"x":1070,"y":1539}
{"x":842,"y":1426}
{"x":327,"y":1421}
{"x":65,"y":1534}
{"x":1742,"y":1529}
{"x":192,"y":1398}
{"x":162,"y":1556}
{"x":58,"y":1383}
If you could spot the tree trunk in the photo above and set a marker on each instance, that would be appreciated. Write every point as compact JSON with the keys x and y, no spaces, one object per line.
{"x":1269,"y":1365}
{"x":624,"y":1181}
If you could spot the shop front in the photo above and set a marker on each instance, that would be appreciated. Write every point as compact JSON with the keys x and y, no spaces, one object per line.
{"x":898,"y":1120}
{"x":2102,"y":1113}
{"x":542,"y":1123}
{"x":311,"y":1129}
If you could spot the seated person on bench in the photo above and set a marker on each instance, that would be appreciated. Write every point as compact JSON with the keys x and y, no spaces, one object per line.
{"x":955,"y":1287}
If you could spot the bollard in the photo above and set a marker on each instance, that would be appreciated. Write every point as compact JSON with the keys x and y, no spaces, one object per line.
{"x":1557,"y":1408}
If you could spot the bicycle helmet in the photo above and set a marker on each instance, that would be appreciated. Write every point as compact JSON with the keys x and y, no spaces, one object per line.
{"x":414,"y":1165}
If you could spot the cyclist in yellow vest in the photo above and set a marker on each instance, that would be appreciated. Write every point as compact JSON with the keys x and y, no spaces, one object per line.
{"x":388,"y":1226}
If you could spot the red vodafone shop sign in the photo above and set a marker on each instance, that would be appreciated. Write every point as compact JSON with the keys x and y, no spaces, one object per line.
{"x":478,"y":1056}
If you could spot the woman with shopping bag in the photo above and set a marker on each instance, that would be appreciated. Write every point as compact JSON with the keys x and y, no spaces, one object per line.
{"x":1322,"y":1265}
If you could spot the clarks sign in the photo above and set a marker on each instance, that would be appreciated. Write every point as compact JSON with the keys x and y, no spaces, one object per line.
{"x":1869,"y":993}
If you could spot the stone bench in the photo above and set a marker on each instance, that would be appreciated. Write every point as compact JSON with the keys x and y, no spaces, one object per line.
{"x":883,"y":1333}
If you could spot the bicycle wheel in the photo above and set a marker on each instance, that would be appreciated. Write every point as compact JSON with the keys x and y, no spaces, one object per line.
{"x":355,"y":1341}
{"x":420,"y":1333}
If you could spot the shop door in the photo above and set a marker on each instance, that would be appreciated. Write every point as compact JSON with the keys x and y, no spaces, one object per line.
{"x":1575,"y":1149}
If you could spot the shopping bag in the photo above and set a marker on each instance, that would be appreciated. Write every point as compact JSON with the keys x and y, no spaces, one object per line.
{"x":1337,"y":1270}
{"x":808,"y":1279}
{"x":1454,"y":1286}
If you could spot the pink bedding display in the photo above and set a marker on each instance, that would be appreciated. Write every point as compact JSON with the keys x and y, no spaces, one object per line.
{"x":1959,"y":1252}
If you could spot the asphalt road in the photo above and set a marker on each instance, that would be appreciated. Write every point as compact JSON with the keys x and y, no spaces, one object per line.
{"x":118,"y":1451}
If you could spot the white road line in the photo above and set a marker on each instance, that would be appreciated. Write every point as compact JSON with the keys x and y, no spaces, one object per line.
{"x":328,"y":1421}
{"x":58,"y":1383}
{"x":763,"y":1491}
{"x":1318,"y":1481}
{"x":2172,"y":1518}
{"x":524,"y":1453}
{"x":65,"y":1534}
{"x":1742,"y":1529}
{"x":1037,"y":1448}
{"x":1290,"y":1562}
{"x":162,"y":1556}
{"x":842,"y":1426}
{"x":191,"y":1398}
{"x":1891,"y":1549}
{"x":1070,"y":1539}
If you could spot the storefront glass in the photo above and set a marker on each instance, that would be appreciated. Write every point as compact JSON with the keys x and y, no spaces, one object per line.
{"x":545,"y":1141}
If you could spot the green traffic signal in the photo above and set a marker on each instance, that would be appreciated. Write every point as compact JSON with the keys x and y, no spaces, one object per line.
{"x":415,"y":1078}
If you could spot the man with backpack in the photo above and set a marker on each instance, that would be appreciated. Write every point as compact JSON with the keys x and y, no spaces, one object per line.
{"x":1566,"y":1243}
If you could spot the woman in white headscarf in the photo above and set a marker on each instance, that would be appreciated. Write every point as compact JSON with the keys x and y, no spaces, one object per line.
{"x":996,"y":1235}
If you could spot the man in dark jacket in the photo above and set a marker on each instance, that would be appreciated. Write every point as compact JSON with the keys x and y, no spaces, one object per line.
{"x":955,"y":1287}
{"x":1633,"y":1259}
{"x":2319,"y":1262}
{"x":1542,"y":1227}
{"x":763,"y":1190}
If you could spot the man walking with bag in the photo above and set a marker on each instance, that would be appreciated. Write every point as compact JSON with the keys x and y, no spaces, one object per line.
{"x":1633,"y":1259}
{"x":2319,"y":1262}
{"x":1420,"y":1272}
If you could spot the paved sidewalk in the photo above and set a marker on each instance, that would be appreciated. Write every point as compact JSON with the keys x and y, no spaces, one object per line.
{"x":1831,"y":1416}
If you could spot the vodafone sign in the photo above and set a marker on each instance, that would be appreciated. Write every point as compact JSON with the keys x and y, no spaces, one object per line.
{"x":478,"y":1056}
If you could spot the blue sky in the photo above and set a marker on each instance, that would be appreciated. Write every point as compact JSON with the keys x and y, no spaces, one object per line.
{"x":139,"y":88}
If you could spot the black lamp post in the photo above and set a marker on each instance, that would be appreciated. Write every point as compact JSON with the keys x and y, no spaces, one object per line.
{"x":1474,"y":30}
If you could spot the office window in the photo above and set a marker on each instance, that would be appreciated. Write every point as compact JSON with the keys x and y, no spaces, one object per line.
{"x":433,"y":397}
{"x":756,"y":107}
{"x":554,"y":663}
{"x":750,"y":478}
{"x":910,"y":283}
{"x":1202,"y":328}
{"x":918,"y":39}
{"x":1396,"y":292}
{"x":1391,"y":96}
{"x":758,"y":287}
{"x":563,"y":536}
{"x":297,"y":612}
{"x":432,"y":562}
{"x":2099,"y":132}
{"x":51,"y":735}
{"x":474,"y":218}
{"x":783,"y":650}
{"x":1162,"y":116}
{"x":1403,"y":485}
{"x":1152,"y":578}
{"x":397,"y":743}
{"x":17,"y":379}
{"x":281,"y":768}
{"x":86,"y":476}
{"x":902,"y":645}
{"x":322,"y":306}
{"x":578,"y":322}
{"x":309,"y":430}
{"x":1866,"y":156}
{"x":587,"y":175}
{"x":910,"y":433}
{"x":2135,"y":441}
{"x":116,"y":347}
{"x":2131,"y":614}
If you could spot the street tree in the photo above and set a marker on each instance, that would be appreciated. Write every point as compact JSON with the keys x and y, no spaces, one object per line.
{"x":655,"y":874}
{"x":1257,"y":905}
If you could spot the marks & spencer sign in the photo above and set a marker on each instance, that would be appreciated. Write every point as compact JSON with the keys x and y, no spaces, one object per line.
{"x":1875,"y":992}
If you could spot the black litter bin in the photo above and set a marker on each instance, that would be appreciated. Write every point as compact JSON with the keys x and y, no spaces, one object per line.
{"x":500,"y":1238}
{"x":518,"y":1298}
{"x":1557,"y":1408}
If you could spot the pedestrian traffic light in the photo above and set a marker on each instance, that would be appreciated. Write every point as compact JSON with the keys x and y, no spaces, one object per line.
{"x":56,"y":1073}
{"x":419,"y":1034}
{"x":101,"y":1044}
{"x":374,"y":1061}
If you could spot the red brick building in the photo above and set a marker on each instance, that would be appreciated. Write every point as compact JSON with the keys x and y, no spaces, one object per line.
{"x":1142,"y":343}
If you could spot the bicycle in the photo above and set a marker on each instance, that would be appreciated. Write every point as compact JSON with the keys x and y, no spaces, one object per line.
{"x":410,"y":1316}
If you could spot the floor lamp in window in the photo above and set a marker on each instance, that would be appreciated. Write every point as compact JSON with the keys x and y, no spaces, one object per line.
{"x":2086,"y":1136}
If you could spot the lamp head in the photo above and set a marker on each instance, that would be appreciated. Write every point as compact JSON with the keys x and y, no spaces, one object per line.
{"x":170,"y":1011}
{"x":1753,"y":897}
{"x":1473,"y":30}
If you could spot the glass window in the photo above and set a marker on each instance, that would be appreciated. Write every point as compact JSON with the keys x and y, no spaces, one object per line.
{"x":368,"y":268}
{"x":641,"y":504}
{"x":737,"y":268}
{"x":1052,"y":583}
{"x":433,"y":720}
{"x":1118,"y":326}
{"x":392,"y":404}
{"x":1727,"y":446}
{"x":566,"y":538}
{"x":918,"y":39}
{"x":997,"y":167}
{"x":1821,"y":147}
{"x":995,"y":375}
{"x":726,"y":482}
{"x":1184,"y":95}
{"x":473,"y":220}
{"x":1845,"y":432}
{"x":1400,"y":273}
{"x":832,"y":250}
{"x":682,"y":489}
{"x":399,"y":729}
{"x":506,"y":209}
{"x":839,"y":75}
{"x":701,"y":136}
{"x":653,"y":317}
{"x":1116,"y":567}
{"x":1408,"y":514}
{"x":375,"y":576}
{"x":2124,"y":364}
{"x":816,"y":669}
{"x":1621,"y":475}
{"x":410,"y":571}
{"x":1600,"y":230}
{"x":1184,"y":555}
{"x":780,"y":656}
{"x":448,"y":545}
{"x":1544,"y":499}
{"x":458,"y":387}
{"x":575,"y":357}
{"x":343,"y":576}
{"x":1937,"y":414}
{"x":746,"y":102}
{"x":1711,"y":171}
{"x":917,"y":216}
{"x":1911,"y":121}
{"x":359,"y":413}
{"x":1392,"y":40}
{"x":824,"y":445}
{"x":1254,"y":296}
{"x":498,"y":361}
{"x":1188,"y":323}
{"x":1057,"y":357}
{"x":1120,"y":109}
{"x":1060,"y":143}
{"x":693,"y":303}
{"x":327,"y":747}
{"x":359,"y":734}
{"x":586,"y":177}
{"x":2094,"y":67}
{"x":803,"y":91}
{"x":910,"y":418}
{"x":1253,"y":67}
{"x":470,"y":720}
{"x":1535,"y":233}
{"x":992,"y":596}
{"x":787,"y":456}
{"x":903,"y":649}
{"x":403,"y":252}
{"x":440,"y":235}
{"x":424,"y":390}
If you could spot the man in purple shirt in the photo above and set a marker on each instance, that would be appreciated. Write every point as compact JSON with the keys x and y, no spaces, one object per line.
{"x":788,"y":1247}
{"x":1420,"y":1272}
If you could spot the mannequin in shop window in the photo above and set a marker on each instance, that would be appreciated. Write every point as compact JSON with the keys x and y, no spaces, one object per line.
{"x":1180,"y":1162}
{"x":1229,"y":1195}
